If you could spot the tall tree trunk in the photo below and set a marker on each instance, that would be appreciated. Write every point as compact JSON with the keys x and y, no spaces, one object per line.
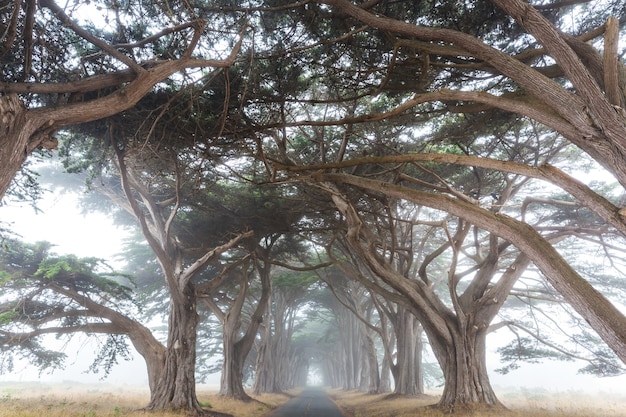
{"x":464,"y":367}
{"x":265,"y":365}
{"x":236,"y":351}
{"x":385,"y":373}
{"x":273,"y":348}
{"x":409,"y":354}
{"x":231,"y":384}
{"x":176,"y":387}
{"x":268,"y":376}
{"x":372,"y":364}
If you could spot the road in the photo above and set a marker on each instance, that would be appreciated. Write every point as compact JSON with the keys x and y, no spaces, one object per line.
{"x":311,"y":403}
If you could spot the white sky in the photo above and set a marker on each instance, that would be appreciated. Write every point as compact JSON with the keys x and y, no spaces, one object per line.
{"x":62,"y":224}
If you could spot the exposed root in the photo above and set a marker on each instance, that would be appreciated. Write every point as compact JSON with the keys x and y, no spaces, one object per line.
{"x":394,"y":396}
{"x":202,"y":412}
{"x":211,"y":413}
{"x":470,"y":409}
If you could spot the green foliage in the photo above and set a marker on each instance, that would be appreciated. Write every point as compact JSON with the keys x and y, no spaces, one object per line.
{"x":40,"y":292}
{"x":52,"y":269}
{"x":294,"y":280}
{"x":114,"y":348}
{"x":205,"y":404}
{"x":8,"y":317}
{"x":526,"y":350}
{"x":5,"y":277}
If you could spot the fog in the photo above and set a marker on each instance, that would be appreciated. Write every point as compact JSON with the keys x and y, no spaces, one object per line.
{"x":62,"y":224}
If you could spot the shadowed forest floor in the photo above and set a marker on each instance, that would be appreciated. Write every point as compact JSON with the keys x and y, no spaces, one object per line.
{"x":105,"y":400}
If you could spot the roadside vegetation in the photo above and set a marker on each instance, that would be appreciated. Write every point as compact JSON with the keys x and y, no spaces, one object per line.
{"x":525,"y":403}
{"x":103,"y":400}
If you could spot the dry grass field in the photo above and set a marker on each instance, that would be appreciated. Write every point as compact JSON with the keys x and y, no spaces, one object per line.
{"x":77,"y":400}
{"x":535,"y":403}
{"x":74,"y":400}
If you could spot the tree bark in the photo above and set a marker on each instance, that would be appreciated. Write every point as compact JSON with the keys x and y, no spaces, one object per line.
{"x":464,"y":367}
{"x":16,"y":131}
{"x":236,"y":350}
{"x":408,"y":367}
{"x":176,"y":386}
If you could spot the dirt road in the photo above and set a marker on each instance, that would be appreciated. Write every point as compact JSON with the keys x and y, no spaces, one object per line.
{"x":313,"y":402}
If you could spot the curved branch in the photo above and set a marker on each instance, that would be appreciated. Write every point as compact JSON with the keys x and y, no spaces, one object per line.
{"x":587,"y":197}
{"x":539,"y":85}
{"x":11,"y":338}
{"x":604,"y":317}
{"x":596,"y":102}
{"x":10,"y":33}
{"x":65,"y":19}
{"x":192,"y":269}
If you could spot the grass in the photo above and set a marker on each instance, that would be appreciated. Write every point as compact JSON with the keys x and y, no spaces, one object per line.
{"x":537,"y":403}
{"x":74,"y":400}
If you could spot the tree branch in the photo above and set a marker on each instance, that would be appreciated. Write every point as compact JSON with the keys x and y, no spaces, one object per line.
{"x":65,"y":19}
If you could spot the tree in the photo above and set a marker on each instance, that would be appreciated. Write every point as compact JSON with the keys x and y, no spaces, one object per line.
{"x":97,"y":75}
{"x":383,"y":234}
{"x":47,"y":294}
{"x":277,"y":359}
{"x":176,"y":386}
{"x":237,"y":343}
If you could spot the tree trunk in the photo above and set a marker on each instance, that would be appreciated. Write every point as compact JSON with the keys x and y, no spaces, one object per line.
{"x":465,"y":371}
{"x":231,"y":384}
{"x":16,"y":131}
{"x":372,"y":362}
{"x":273,"y":348}
{"x":409,"y":379}
{"x":176,"y":386}
{"x":235,"y":352}
{"x":267,"y":377}
{"x":385,"y":372}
